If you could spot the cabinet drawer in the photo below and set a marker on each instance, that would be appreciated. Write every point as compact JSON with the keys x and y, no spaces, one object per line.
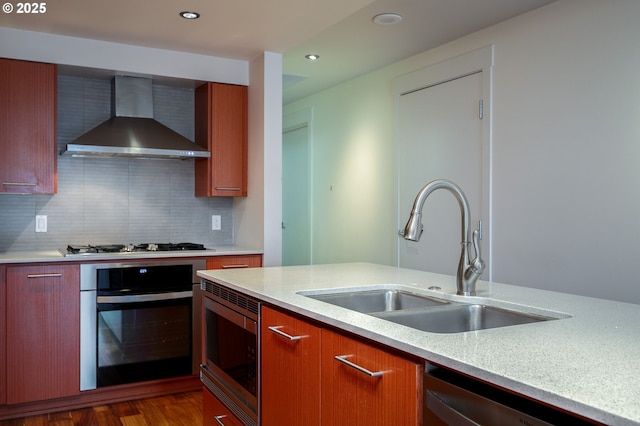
{"x":366,"y":385}
{"x":233,"y":262}
{"x":290,"y":370}
{"x":215,"y":413}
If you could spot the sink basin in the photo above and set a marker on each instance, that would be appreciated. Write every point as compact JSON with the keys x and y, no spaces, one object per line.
{"x":460,"y":317}
{"x":449,"y":314}
{"x":377,"y":300}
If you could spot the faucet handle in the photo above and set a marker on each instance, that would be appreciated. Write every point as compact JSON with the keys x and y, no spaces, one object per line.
{"x":477,"y":264}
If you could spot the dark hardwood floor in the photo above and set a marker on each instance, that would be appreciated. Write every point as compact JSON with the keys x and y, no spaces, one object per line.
{"x":182,"y":409}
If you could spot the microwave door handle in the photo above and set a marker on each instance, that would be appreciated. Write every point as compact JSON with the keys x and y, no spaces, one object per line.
{"x":447,"y":413}
{"x":137,"y":298}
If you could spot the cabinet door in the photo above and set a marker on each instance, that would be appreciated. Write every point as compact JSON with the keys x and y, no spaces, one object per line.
{"x":221,"y":127}
{"x":215,"y":413}
{"x":27,"y":127}
{"x":3,"y":340}
{"x":43,"y":329}
{"x":378,"y":388}
{"x":235,"y":262}
{"x":290,"y":370}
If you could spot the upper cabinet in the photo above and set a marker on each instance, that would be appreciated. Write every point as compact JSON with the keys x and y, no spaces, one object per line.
{"x":221,"y":127}
{"x":28,"y":127}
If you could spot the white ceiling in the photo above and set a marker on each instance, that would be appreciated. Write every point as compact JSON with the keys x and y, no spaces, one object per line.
{"x":340,"y":31}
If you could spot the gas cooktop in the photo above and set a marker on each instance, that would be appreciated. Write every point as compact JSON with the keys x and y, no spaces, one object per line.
{"x":83,"y":250}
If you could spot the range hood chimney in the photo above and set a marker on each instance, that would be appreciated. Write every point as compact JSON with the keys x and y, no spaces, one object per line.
{"x":133,"y":132}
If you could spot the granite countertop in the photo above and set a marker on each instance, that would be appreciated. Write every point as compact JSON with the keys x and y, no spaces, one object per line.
{"x":588,"y":362}
{"x":57,"y":256}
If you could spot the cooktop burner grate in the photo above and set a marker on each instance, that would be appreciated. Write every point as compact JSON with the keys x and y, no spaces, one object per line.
{"x":132,"y":248}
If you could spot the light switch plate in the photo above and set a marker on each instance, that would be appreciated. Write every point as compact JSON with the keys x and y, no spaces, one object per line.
{"x":216,"y":222}
{"x":41,"y":223}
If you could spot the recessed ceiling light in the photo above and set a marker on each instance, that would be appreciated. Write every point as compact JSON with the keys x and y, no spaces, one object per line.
{"x":312,"y":57}
{"x":387,"y":18}
{"x":189,"y":15}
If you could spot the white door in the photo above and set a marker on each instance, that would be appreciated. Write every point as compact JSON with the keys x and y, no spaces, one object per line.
{"x":296,"y":223}
{"x":440,"y":137}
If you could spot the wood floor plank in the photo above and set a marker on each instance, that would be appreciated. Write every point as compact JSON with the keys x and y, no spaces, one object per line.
{"x":175,"y":410}
{"x":124,"y":409}
{"x":84,"y":416}
{"x":134,"y":420}
{"x":183,"y":409}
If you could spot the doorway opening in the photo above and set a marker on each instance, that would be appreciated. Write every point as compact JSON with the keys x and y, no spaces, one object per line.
{"x":296,"y":190}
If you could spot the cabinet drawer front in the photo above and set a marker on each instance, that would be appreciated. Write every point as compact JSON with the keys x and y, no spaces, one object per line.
{"x":290,"y":363}
{"x":232,"y":262}
{"x":374,"y":387}
{"x":215,"y":413}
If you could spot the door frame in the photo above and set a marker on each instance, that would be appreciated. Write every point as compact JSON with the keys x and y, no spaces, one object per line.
{"x":295,"y":121}
{"x":480,"y":60}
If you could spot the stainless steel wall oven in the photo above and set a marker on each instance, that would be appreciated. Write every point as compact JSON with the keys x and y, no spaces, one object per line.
{"x":136,"y":321}
{"x":230,"y":348}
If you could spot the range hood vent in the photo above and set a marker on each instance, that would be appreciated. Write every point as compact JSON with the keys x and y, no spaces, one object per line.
{"x":133,"y":132}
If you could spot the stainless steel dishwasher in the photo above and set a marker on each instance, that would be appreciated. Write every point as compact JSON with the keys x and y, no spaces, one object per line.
{"x":454,"y":399}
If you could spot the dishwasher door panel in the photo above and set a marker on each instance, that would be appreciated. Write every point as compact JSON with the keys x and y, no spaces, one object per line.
{"x":453,"y":399}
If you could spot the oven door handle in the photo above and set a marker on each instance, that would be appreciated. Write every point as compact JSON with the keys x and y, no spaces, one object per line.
{"x":136,"y":298}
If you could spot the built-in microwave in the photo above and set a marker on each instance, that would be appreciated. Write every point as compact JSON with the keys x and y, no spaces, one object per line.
{"x":230,"y":349}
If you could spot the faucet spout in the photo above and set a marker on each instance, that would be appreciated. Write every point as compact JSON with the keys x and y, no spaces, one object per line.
{"x":468,"y":270}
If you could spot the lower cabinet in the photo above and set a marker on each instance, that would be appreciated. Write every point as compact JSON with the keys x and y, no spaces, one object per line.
{"x":366,"y":385}
{"x":43,"y":332}
{"x":3,"y":339}
{"x":315,"y":376}
{"x":290,"y":370}
{"x":215,"y":413}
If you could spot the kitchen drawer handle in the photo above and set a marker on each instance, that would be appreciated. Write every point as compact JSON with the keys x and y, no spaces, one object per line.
{"x":44,"y":275}
{"x":276,"y":329}
{"x":227,"y":188}
{"x":18,"y":184}
{"x":218,"y":419}
{"x":244,"y":265}
{"x":343,"y":359}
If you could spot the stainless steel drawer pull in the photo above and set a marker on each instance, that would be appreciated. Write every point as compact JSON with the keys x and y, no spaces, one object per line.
{"x":218,"y":419}
{"x":343,"y":359}
{"x":43,"y":275}
{"x":227,"y":188}
{"x":18,"y":184}
{"x":276,"y":329}
{"x":244,"y":265}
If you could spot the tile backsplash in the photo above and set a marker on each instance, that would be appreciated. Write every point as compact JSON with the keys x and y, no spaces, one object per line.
{"x":116,"y":200}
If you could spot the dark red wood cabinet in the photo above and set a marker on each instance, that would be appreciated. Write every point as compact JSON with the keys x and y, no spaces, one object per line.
{"x":28,"y":148}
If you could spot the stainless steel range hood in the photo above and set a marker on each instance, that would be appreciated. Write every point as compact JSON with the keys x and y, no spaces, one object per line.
{"x":133,"y":132}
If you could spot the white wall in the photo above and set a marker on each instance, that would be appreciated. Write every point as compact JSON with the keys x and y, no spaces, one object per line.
{"x":101,"y":55}
{"x":354,"y":171}
{"x":566,"y":145}
{"x":258,"y":218}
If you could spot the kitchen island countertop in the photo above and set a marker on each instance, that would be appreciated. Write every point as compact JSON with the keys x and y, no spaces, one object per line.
{"x":46,"y":256}
{"x":587,"y":363}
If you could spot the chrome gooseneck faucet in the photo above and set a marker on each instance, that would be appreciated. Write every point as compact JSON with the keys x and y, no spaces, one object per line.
{"x":468,"y":270}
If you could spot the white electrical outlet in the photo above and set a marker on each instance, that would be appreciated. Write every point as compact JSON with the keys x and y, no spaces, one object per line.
{"x":41,"y":223}
{"x":216,"y":222}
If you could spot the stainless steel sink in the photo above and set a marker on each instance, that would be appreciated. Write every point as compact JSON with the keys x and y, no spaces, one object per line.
{"x":460,"y":317}
{"x":449,"y":314}
{"x":377,"y":300}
